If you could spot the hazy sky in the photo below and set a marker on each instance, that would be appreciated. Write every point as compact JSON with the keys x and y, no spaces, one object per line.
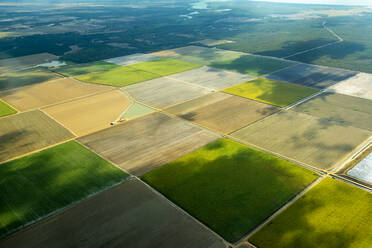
{"x":343,"y":2}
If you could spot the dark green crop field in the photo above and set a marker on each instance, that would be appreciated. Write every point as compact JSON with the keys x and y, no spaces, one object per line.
{"x":230,"y":187}
{"x":78,"y":69}
{"x":39,"y":184}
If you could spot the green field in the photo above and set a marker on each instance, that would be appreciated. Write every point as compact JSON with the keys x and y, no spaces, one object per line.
{"x":79,"y":69}
{"x":36,"y":185}
{"x":332,"y":215}
{"x":252,"y":65}
{"x":119,"y":77}
{"x":272,"y":92}
{"x":229,"y":186}
{"x":23,"y":78}
{"x":165,"y":67}
{"x":127,"y":75}
{"x":5,"y":109}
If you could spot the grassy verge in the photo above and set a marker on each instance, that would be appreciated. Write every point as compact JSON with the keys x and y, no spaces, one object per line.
{"x":229,"y":186}
{"x":333,"y":214}
{"x":36,"y":185}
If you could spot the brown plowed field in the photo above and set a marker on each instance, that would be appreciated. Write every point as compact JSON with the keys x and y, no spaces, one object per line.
{"x":147,"y":142}
{"x":43,"y":94}
{"x":127,"y":215}
{"x":90,"y":114}
{"x":222,"y":112}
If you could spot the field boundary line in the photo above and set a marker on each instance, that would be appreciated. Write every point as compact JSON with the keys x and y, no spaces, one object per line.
{"x":283,"y":208}
{"x":180,"y":209}
{"x":339,"y":40}
{"x":353,"y":156}
{"x":306,"y":99}
{"x":36,"y":151}
{"x":29,"y":225}
{"x":342,"y":162}
{"x":354,"y":182}
{"x":51,"y":117}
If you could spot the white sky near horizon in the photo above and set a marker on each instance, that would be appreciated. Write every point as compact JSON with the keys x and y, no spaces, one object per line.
{"x":337,"y":2}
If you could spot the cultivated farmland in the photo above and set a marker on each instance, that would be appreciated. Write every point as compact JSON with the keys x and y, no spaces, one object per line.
{"x":253,"y":65}
{"x":229,"y":186}
{"x":318,"y":142}
{"x":222,"y":112}
{"x":272,"y":92}
{"x":127,"y":215}
{"x":333,"y":214}
{"x":199,"y":55}
{"x":343,"y":109}
{"x":47,"y":93}
{"x":211,"y":77}
{"x":41,"y":183}
{"x":25,"y":61}
{"x":5,"y":109}
{"x":120,"y":76}
{"x":135,"y":110}
{"x":359,"y":86}
{"x":132,"y":59}
{"x":163,"y":92}
{"x":78,"y":69}
{"x":312,"y":75}
{"x":27,"y":132}
{"x":17,"y":79}
{"x":147,"y":142}
{"x":90,"y":114}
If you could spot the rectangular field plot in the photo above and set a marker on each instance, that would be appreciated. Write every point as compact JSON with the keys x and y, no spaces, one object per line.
{"x":333,"y":214}
{"x":360,"y":86}
{"x":229,"y":186}
{"x":79,"y":69}
{"x":315,"y":141}
{"x":147,"y":142}
{"x":346,"y":110}
{"x":311,"y":75}
{"x":127,"y":215}
{"x":132,"y":59}
{"x":25,"y":61}
{"x":199,"y":55}
{"x":253,"y":65}
{"x":222,"y":112}
{"x":211,"y":78}
{"x":119,"y":77}
{"x":164,"y":92}
{"x":47,"y":93}
{"x":90,"y":114}
{"x":165,"y":66}
{"x":36,"y":185}
{"x":17,"y":79}
{"x":27,"y":132}
{"x":5,"y":109}
{"x":272,"y":92}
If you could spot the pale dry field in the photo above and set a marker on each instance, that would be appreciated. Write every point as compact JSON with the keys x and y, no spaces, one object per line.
{"x":131,"y":59}
{"x":47,"y":93}
{"x":143,"y":144}
{"x":25,"y":61}
{"x":27,"y":132}
{"x":315,"y":141}
{"x":346,"y":110}
{"x":211,"y":77}
{"x":163,"y":92}
{"x":360,"y":86}
{"x":127,"y":215}
{"x":90,"y":114}
{"x":222,"y":112}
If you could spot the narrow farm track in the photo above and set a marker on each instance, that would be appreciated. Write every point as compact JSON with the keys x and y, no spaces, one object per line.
{"x":339,"y":40}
